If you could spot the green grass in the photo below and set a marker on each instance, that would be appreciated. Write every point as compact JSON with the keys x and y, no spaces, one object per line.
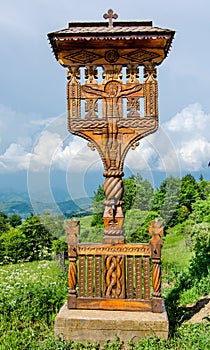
{"x":30,"y":297}
{"x":176,"y":251}
{"x":85,"y":221}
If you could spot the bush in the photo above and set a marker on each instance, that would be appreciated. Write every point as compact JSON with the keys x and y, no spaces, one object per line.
{"x":12,"y":247}
{"x":200,"y":263}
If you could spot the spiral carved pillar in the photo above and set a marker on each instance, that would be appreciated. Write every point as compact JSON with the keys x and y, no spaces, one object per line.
{"x":113,"y":215}
{"x":156,"y":278}
{"x":156,"y":230}
{"x":72,"y":232}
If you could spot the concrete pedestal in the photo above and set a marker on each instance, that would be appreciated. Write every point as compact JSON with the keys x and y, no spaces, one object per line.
{"x":99,"y":325}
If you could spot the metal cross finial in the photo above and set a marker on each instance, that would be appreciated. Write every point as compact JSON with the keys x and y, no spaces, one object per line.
{"x":110,"y":15}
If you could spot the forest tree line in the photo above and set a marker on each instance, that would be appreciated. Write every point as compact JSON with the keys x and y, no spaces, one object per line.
{"x":183,"y":204}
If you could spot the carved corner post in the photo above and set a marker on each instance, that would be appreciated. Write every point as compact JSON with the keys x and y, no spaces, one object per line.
{"x":156,"y":230}
{"x":150,"y":90}
{"x":72,"y":232}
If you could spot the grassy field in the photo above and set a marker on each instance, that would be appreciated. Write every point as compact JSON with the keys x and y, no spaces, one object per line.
{"x":176,"y":250}
{"x":30,"y":297}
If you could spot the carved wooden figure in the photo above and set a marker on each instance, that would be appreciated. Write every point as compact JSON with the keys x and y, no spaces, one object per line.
{"x":111,"y":107}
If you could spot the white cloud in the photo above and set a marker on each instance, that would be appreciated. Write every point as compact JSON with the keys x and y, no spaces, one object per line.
{"x":191,"y":119}
{"x":15,"y":158}
{"x":182,"y":143}
{"x":76,"y":156}
{"x":43,"y":154}
{"x":189,"y":133}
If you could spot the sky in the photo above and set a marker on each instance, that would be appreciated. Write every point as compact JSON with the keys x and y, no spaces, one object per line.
{"x":36,"y":151}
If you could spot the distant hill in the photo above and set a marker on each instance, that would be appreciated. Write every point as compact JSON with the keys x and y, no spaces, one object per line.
{"x":19,"y":203}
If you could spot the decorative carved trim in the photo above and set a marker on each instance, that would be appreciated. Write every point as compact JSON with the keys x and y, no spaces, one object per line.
{"x":74,"y":92}
{"x":112,"y":73}
{"x":146,"y":278}
{"x":111,"y":231}
{"x":83,"y":56}
{"x":135,"y":144}
{"x":150,"y":91}
{"x":92,"y":146}
{"x":146,"y":123}
{"x":91,"y":107}
{"x":140,"y":56}
{"x":156,"y":230}
{"x":132,"y":73}
{"x":81,"y":125}
{"x":133,"y":106}
{"x":114,"y":276}
{"x":121,"y":249}
{"x":113,"y":172}
{"x":91,"y":74}
{"x":112,"y":56}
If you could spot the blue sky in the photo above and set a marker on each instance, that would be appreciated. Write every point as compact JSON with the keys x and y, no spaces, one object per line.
{"x":34,"y":142}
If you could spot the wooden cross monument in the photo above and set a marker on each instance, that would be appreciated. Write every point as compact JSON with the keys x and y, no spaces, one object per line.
{"x":113,"y":109}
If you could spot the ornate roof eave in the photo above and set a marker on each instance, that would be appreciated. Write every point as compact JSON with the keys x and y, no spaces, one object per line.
{"x":54,"y":40}
{"x":100,"y":31}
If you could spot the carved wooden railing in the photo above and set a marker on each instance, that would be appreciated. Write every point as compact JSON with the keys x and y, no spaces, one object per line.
{"x":115,"y":277}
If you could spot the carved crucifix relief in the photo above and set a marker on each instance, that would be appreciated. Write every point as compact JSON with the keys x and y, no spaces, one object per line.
{"x":117,"y":127}
{"x":112,"y":93}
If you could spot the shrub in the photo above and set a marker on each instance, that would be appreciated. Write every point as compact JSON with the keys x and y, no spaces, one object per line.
{"x":200,"y":263}
{"x":12,"y":247}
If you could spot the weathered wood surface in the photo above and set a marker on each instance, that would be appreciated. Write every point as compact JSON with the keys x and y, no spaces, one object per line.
{"x":113,"y":304}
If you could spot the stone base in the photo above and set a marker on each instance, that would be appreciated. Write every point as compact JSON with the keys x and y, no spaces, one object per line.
{"x":99,"y":325}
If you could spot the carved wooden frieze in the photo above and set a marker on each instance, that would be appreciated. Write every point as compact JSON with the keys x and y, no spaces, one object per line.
{"x":100,"y":56}
{"x":120,"y":249}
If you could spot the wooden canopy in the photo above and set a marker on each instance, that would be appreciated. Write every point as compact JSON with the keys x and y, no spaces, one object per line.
{"x":136,"y":41}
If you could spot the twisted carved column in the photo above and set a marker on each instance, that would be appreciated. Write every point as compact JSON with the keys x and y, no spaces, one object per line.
{"x":113,"y":214}
{"x":114,"y":277}
{"x":72,"y":231}
{"x":156,"y":230}
{"x":156,"y":278}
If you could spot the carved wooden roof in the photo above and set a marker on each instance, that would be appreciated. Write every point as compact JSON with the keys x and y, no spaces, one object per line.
{"x":121,"y":34}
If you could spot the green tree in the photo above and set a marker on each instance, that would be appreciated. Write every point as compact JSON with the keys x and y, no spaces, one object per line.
{"x":166,"y":200}
{"x":144,"y":193}
{"x":189,"y":192}
{"x":15,"y":220}
{"x":98,"y":207}
{"x":203,"y":188}
{"x":55,"y":224}
{"x":138,"y":194}
{"x":137,"y":224}
{"x":129,"y":193}
{"x":200,"y":211}
{"x":4,"y":224}
{"x":38,"y":240}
